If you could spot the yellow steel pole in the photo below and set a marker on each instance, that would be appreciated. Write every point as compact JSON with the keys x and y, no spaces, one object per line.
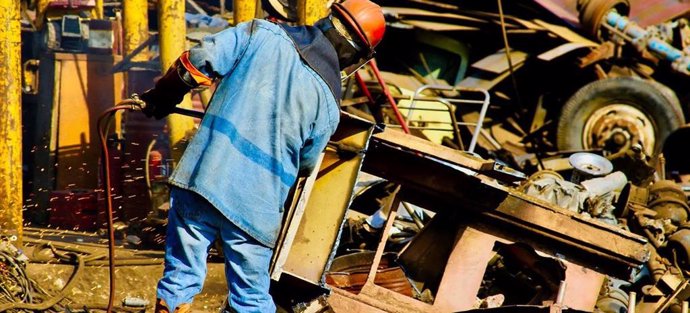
{"x":243,"y":10}
{"x":99,"y":9}
{"x":172,"y":32}
{"x":41,"y":9}
{"x":10,"y":120}
{"x":310,"y":11}
{"x":136,"y":26}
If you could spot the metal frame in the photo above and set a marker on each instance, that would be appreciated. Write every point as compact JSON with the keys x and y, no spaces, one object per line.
{"x":449,"y":102}
{"x":461,"y":188}
{"x":307,"y":248}
{"x":462,"y":278}
{"x":486,"y":213}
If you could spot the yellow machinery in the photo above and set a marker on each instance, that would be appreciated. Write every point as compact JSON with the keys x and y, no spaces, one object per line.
{"x":67,"y":83}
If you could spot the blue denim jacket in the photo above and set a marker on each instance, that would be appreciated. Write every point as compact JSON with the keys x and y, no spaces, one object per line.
{"x":269,"y":119}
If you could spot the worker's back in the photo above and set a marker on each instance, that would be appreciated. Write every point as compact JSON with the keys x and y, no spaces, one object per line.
{"x":269,"y":109}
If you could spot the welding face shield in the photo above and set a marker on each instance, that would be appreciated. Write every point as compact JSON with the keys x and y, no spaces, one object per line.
{"x":362,"y":23}
{"x":358,"y":64}
{"x":351,"y":55}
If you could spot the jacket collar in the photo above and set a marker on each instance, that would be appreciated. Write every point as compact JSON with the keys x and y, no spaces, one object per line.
{"x":315,"y":49}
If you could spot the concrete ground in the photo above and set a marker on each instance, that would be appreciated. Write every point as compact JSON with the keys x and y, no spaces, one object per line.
{"x":131,"y":280}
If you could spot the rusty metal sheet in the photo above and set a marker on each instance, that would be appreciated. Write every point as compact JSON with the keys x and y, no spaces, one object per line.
{"x":439,"y":26}
{"x":341,"y":301}
{"x":589,"y":236}
{"x":291,"y":221}
{"x":463,"y":271}
{"x":466,"y":265}
{"x":566,"y":33}
{"x":497,"y":63}
{"x":413,"y":12}
{"x":317,"y":235}
{"x":419,"y":145}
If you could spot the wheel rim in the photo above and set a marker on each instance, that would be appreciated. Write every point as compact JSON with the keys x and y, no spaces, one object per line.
{"x":618,"y":126}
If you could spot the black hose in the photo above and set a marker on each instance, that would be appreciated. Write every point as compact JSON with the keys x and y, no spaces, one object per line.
{"x":90,"y":259}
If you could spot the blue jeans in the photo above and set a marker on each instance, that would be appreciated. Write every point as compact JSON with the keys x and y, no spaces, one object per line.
{"x":193,"y":225}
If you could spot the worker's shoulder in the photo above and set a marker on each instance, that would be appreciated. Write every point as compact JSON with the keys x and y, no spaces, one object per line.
{"x":264,"y":26}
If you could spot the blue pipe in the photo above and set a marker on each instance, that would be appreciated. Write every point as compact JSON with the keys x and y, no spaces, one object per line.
{"x":642,"y":39}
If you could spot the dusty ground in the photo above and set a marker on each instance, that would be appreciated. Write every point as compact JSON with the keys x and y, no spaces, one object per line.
{"x":131,"y":281}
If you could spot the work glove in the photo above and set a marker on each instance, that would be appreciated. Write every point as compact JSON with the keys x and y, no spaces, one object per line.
{"x":159,"y":103}
{"x":168,"y":93}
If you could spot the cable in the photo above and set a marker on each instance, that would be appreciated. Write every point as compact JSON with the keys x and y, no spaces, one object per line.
{"x":109,"y":202}
{"x":45,"y":305}
{"x":384,"y":88}
{"x":507,"y":50}
{"x":128,"y":104}
{"x":133,"y":104}
{"x":147,"y":169}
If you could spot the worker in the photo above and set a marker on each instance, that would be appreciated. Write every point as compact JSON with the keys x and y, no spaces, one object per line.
{"x":275,"y":106}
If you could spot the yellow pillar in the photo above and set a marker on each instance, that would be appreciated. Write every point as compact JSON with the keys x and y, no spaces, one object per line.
{"x":172,"y":35}
{"x":98,"y":10}
{"x":41,"y":9}
{"x":310,"y":11}
{"x":136,"y":26}
{"x":10,"y":120}
{"x":243,"y":10}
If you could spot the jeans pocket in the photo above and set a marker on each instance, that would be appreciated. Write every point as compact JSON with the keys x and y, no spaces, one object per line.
{"x":186,"y":204}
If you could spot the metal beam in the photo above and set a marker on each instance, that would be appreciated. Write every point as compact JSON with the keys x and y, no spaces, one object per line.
{"x":10,"y":120}
{"x":172,"y":32}
{"x":243,"y":10}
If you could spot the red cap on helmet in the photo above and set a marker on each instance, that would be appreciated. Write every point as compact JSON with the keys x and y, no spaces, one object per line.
{"x":365,"y":18}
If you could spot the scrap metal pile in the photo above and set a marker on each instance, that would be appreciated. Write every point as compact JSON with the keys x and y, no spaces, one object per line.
{"x":562,"y":75}
{"x":443,"y":230}
{"x":657,"y":210}
{"x":19,"y":292}
{"x":600,"y":223}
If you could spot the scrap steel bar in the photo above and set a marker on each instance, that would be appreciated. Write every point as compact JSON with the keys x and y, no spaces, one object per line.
{"x":387,"y":92}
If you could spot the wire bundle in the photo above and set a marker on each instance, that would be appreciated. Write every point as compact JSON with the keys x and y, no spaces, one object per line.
{"x":15,"y":285}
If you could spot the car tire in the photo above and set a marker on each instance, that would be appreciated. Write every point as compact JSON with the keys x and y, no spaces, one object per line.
{"x":592,"y":13}
{"x":611,"y":113}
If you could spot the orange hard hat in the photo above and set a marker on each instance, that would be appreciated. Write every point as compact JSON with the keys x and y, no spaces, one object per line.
{"x":365,"y":18}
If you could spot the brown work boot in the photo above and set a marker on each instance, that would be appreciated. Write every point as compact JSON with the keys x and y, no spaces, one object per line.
{"x":162,"y":307}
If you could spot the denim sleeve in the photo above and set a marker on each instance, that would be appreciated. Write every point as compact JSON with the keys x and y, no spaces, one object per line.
{"x":310,"y":153}
{"x":217,"y":54}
